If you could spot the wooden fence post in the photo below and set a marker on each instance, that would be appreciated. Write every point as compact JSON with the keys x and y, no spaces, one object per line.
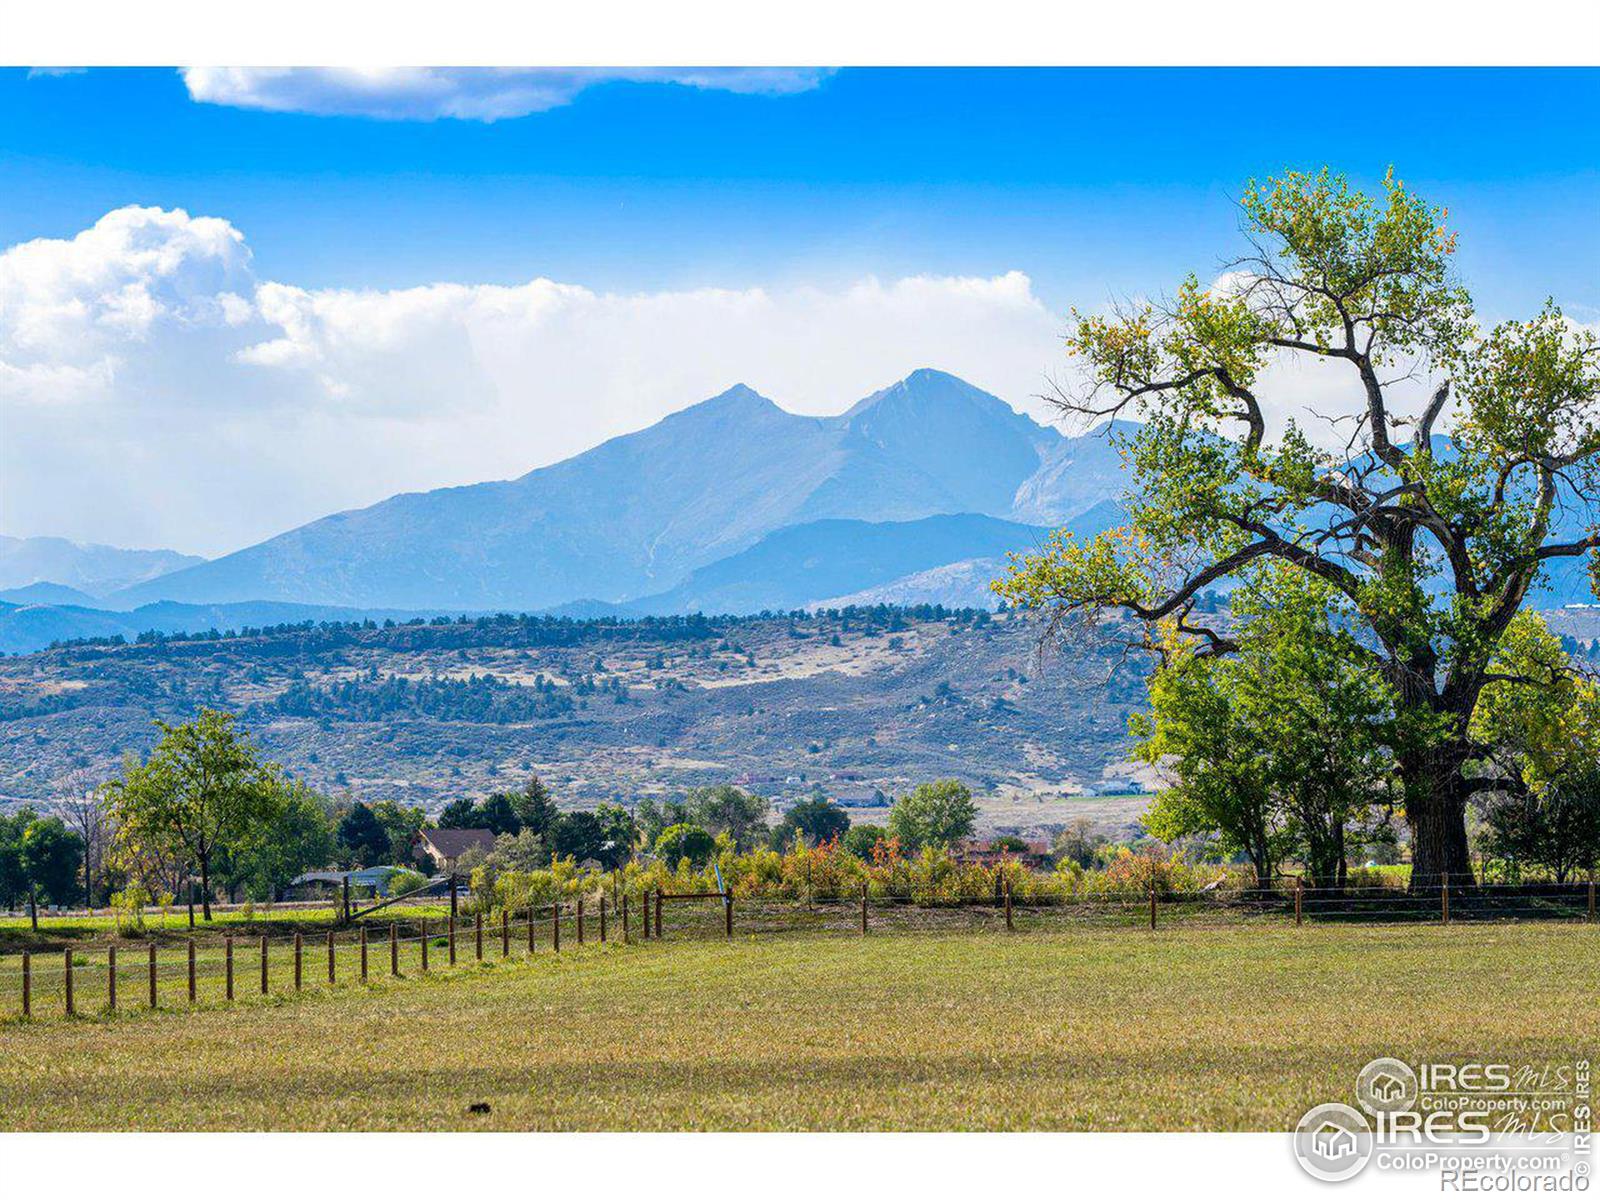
{"x":1299,"y":897}
{"x":152,"y":974}
{"x":111,"y":978}
{"x":264,"y":964}
{"x":1009,"y":926}
{"x":67,"y":953}
{"x":332,"y":972}
{"x":533,"y":920}
{"x":477,"y":929}
{"x":422,"y":923}
{"x":1152,"y":903}
{"x":394,"y":948}
{"x":555,"y":927}
{"x":602,"y":917}
{"x":580,"y":920}
{"x":227,"y":954}
{"x":624,"y":918}
{"x":297,"y":960}
{"x":505,"y":933}
{"x":452,"y":926}
{"x":363,"y":954}
{"x":452,"y":895}
{"x":191,"y":972}
{"x":1444,"y":898}
{"x":727,"y":903}
{"x":863,"y":908}
{"x":27,"y":984}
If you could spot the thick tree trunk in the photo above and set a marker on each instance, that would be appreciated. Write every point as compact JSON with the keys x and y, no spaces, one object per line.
{"x":1263,"y":875}
{"x":205,"y":887}
{"x":1436,"y":811}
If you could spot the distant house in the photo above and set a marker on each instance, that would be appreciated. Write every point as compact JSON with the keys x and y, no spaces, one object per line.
{"x":986,"y":853}
{"x":1115,"y":787}
{"x":444,"y":847}
{"x":375,"y":879}
{"x":861,"y":798}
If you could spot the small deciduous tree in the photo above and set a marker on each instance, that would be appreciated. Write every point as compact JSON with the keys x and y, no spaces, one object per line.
{"x":817,"y":821}
{"x":652,"y":817}
{"x":731,"y":810}
{"x":1556,"y":828}
{"x":1539,"y":723}
{"x":296,"y":833}
{"x":679,"y":842}
{"x":860,"y":840}
{"x":1197,"y":730}
{"x":1078,"y":843}
{"x":51,"y":856}
{"x":1277,"y":748}
{"x":80,"y":803}
{"x":202,"y":790}
{"x":935,"y":814}
{"x":13,"y":875}
{"x":402,"y":822}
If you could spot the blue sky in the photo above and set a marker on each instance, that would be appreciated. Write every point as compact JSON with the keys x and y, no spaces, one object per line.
{"x":815,"y":237}
{"x":1089,"y":180}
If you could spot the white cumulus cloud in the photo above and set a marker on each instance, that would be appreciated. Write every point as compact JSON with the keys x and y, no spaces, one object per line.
{"x":464,"y":93}
{"x":72,"y":310}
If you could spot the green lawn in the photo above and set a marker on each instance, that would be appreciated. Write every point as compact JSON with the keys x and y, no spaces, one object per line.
{"x":1209,"y":1028}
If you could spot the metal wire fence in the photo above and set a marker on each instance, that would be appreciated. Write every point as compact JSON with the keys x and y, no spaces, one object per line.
{"x":80,"y":979}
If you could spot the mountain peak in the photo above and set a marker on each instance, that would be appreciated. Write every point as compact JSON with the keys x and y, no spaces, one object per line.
{"x":739,"y":397}
{"x":922,"y":388}
{"x":924,"y":376}
{"x":929,"y":396}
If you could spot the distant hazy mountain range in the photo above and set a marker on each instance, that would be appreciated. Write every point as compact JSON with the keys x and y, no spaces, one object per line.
{"x":915,"y":494}
{"x":638,"y":515}
{"x":50,"y":570}
{"x":731,"y":505}
{"x":803,"y":565}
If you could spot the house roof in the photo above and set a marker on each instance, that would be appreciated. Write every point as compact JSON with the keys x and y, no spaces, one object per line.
{"x":364,"y":875}
{"x":453,"y":843}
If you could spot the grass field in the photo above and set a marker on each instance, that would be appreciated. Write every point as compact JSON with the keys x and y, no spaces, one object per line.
{"x":1188,"y":1028}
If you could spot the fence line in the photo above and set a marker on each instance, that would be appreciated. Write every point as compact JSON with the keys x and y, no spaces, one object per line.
{"x":78,"y":974}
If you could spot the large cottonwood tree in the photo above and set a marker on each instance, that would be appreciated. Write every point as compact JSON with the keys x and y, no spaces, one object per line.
{"x":1465,"y":470}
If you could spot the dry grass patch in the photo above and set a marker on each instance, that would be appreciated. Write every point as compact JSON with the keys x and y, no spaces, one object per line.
{"x":1227,"y":1028}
